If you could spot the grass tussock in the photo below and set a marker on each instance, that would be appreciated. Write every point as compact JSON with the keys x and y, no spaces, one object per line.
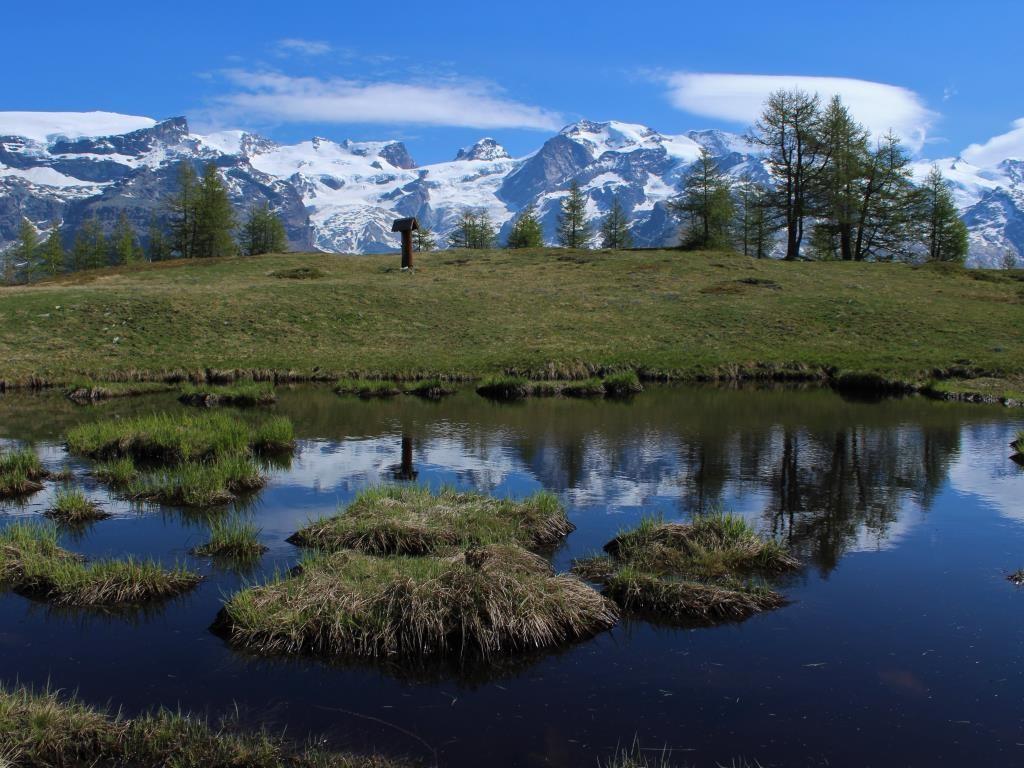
{"x":46,"y":728}
{"x":478,"y":604}
{"x":21,"y":473}
{"x":242,"y":394}
{"x":710,"y":569}
{"x":198,"y":483}
{"x":511,"y":388}
{"x":172,"y":438}
{"x":234,"y":539}
{"x":408,"y":520}
{"x":1018,"y":443}
{"x":72,"y":507}
{"x":32,"y":563}
{"x":431,"y":389}
{"x":86,"y":392}
{"x":368,"y":389}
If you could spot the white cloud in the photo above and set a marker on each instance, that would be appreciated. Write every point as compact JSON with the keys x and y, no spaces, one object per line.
{"x":998,"y":148}
{"x":305,"y":47}
{"x":286,"y":99}
{"x":740,"y":99}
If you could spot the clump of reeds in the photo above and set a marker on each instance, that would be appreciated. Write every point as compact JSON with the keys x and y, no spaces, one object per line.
{"x":431,"y":389}
{"x":410,"y":520}
{"x":198,"y":483}
{"x":242,"y":394}
{"x":72,"y":507}
{"x":481,"y":603}
{"x":175,"y":437}
{"x":637,"y":757}
{"x":504,"y":388}
{"x":21,"y":473}
{"x":232,"y":538}
{"x":47,"y":728}
{"x":33,"y":564}
{"x":119,"y":473}
{"x":1018,"y":443}
{"x":712,"y":568}
{"x":625,"y":384}
{"x":85,"y":392}
{"x":368,"y":388}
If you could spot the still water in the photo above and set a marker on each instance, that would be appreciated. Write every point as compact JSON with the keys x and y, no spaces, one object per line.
{"x":903,"y":644}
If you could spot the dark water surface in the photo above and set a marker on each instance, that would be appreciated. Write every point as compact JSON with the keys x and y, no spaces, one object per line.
{"x":902,"y":646}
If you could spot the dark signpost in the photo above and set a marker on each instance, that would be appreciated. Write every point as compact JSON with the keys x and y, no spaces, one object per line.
{"x":406,"y":227}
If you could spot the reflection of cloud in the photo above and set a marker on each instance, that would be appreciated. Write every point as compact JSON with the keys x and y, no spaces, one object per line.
{"x":984,"y":469}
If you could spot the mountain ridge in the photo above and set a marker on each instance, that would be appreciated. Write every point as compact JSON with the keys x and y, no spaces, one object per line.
{"x":342,"y":196}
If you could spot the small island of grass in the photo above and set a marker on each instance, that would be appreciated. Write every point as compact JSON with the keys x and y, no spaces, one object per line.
{"x":481,"y":603}
{"x":414,"y":520}
{"x":33,"y":564}
{"x":711,"y":569}
{"x":21,"y":473}
{"x":72,"y":507}
{"x":242,"y":394}
{"x":232,"y":539}
{"x":510,"y":388}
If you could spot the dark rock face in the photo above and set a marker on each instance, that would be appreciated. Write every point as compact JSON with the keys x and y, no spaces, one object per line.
{"x":558,"y":161}
{"x":485,"y":149}
{"x":396,"y":154}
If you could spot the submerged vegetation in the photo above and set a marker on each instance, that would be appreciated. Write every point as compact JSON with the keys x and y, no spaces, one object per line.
{"x":710,"y":569}
{"x":234,"y":539}
{"x":242,"y":394}
{"x":32,"y":563}
{"x":21,"y":473}
{"x":46,"y":728}
{"x":72,"y":507}
{"x":480,"y":603}
{"x":408,"y":520}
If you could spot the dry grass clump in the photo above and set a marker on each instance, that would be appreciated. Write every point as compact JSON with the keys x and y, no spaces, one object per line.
{"x":234,"y":539}
{"x":72,"y":507}
{"x":242,"y":394}
{"x":46,"y":728}
{"x":478,"y":604}
{"x":171,"y":438}
{"x":709,"y":569}
{"x":411,"y":520}
{"x":368,"y":388}
{"x":21,"y":473}
{"x":32,"y":563}
{"x":88,"y":392}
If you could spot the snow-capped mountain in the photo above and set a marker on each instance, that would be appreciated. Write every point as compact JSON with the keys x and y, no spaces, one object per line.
{"x":343,"y":196}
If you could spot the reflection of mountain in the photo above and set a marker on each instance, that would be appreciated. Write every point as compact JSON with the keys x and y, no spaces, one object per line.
{"x":829,"y":475}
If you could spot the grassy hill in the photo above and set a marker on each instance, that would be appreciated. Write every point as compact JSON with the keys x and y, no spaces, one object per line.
{"x":545,"y":312}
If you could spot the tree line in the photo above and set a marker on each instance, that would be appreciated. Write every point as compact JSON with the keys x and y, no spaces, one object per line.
{"x":197,"y":222}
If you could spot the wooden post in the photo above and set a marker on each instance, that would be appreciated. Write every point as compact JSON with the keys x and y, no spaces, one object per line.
{"x":407,"y":249}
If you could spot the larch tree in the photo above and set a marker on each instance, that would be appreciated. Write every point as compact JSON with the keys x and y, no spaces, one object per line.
{"x":51,"y":253}
{"x":573,"y":229}
{"x":755,"y":226}
{"x":123,"y":246}
{"x":158,"y":247}
{"x":423,"y":239}
{"x":263,"y":232}
{"x":615,"y":228}
{"x":706,"y":205}
{"x":526,"y":230}
{"x":789,"y":132}
{"x":214,"y":217}
{"x":944,"y":232}
{"x":90,"y":249}
{"x":183,"y":212}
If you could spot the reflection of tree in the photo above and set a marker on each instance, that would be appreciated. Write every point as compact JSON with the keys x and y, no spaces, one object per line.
{"x":405,"y":470}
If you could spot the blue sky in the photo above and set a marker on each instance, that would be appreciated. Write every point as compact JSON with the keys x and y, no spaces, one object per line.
{"x":440,"y":75}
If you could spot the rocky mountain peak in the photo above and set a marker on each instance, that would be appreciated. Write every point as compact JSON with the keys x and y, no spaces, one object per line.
{"x":485,"y":149}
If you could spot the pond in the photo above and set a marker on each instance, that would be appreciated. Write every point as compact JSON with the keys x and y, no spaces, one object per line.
{"x":902,"y":643}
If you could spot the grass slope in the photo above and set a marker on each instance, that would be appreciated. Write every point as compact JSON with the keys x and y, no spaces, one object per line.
{"x":543,"y":312}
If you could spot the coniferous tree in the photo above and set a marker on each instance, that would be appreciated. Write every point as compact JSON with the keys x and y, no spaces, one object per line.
{"x":423,"y":239}
{"x":26,"y":248}
{"x":838,"y":188}
{"x":263,"y":232}
{"x":884,"y":221}
{"x":944,"y":233}
{"x":526,"y":230}
{"x":474,"y":230}
{"x":51,"y":254}
{"x":183,"y":212}
{"x":789,"y":130}
{"x":158,"y":247}
{"x":573,"y":229}
{"x":615,"y":228}
{"x":1009,"y":259}
{"x":214,"y":218}
{"x":90,"y":249}
{"x":706,"y":205}
{"x":755,"y":225}
{"x":123,"y":246}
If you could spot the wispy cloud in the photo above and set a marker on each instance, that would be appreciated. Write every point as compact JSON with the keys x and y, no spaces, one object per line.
{"x":998,"y":148}
{"x":740,"y":99}
{"x":285,"y":99}
{"x":291,"y":45}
